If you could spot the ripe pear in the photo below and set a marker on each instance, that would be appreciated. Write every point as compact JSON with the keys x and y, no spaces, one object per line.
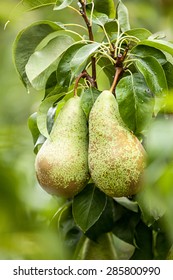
{"x":116,"y":156}
{"x":62,"y":162}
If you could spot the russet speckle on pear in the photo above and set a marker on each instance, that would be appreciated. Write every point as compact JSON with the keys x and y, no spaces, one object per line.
{"x":116,"y":156}
{"x":62,"y":162}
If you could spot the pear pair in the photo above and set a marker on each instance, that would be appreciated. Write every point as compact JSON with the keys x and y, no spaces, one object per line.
{"x":114,"y":159}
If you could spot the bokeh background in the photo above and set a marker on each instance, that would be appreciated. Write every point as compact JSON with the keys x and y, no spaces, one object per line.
{"x":25,"y":210}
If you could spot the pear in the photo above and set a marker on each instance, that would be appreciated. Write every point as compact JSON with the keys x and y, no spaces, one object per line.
{"x":62,"y":162}
{"x":116,"y":156}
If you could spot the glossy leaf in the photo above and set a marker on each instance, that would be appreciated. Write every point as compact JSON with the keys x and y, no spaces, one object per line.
{"x":159,"y":44}
{"x":61,"y":4}
{"x":64,"y":74}
{"x":127,"y":203}
{"x":154,"y":74}
{"x":80,"y":59}
{"x":168,"y":69}
{"x":106,"y":7}
{"x":139,"y":33}
{"x":88,"y":206}
{"x":144,"y":242}
{"x":123,"y":16}
{"x":38,"y":139}
{"x":124,"y":228}
{"x":143,"y":51}
{"x":88,"y":98}
{"x":106,"y":221}
{"x":43,"y":62}
{"x":26,"y":42}
{"x":135,"y":102}
{"x":28,"y":5}
{"x":42,"y":113}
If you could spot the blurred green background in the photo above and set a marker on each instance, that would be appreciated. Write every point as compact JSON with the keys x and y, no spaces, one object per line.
{"x":25,"y":210}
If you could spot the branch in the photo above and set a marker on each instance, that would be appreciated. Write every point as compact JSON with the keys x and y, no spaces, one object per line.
{"x":91,"y":36}
{"x":84,"y":74}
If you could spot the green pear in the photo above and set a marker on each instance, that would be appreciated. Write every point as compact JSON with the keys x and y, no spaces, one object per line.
{"x":62,"y":162}
{"x":116,"y":156}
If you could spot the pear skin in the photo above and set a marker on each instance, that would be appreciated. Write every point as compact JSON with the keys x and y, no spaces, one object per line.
{"x":116,"y":156}
{"x":62,"y":162}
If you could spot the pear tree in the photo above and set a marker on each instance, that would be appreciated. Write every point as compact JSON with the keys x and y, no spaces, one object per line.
{"x":103,"y":85}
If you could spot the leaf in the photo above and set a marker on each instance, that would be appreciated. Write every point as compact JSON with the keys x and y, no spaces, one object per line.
{"x":144,"y":243}
{"x":28,"y":5}
{"x":38,"y":139}
{"x":106,"y":7}
{"x":68,"y":232}
{"x":42,"y":63}
{"x":88,"y":205}
{"x":159,"y":44}
{"x":143,"y":51}
{"x":61,"y":4}
{"x":151,"y":205}
{"x":88,"y":98}
{"x":64,"y":74}
{"x":154,"y":74}
{"x":42,"y":113}
{"x":168,"y":69}
{"x":123,"y":16}
{"x":124,"y":228}
{"x":111,"y":27}
{"x":127,"y":203}
{"x":139,"y":33}
{"x":135,"y":102}
{"x":27,"y":41}
{"x":106,"y":221}
{"x":81,"y":57}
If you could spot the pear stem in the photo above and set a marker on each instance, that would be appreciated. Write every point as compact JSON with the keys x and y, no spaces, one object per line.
{"x":118,"y":73}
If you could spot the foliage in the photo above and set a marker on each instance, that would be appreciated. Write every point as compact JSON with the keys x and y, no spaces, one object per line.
{"x":52,"y":57}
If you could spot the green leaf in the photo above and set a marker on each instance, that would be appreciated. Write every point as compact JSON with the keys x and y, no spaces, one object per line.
{"x":88,"y":98}
{"x":154,"y":74}
{"x":88,"y":205}
{"x":64,"y":74}
{"x":27,"y":41}
{"x":105,"y":222}
{"x":139,"y":33}
{"x":159,"y":44}
{"x":123,"y":16}
{"x":168,"y":69}
{"x":28,"y":5}
{"x":111,"y":27}
{"x":124,"y":228}
{"x":143,"y":51}
{"x":42,"y":113}
{"x":38,"y":139}
{"x":127,"y":203}
{"x":68,"y":232}
{"x":151,"y":205}
{"x":80,"y":59}
{"x":106,"y":7}
{"x":61,"y":4}
{"x":43,"y":62}
{"x":144,"y":243}
{"x":135,"y":102}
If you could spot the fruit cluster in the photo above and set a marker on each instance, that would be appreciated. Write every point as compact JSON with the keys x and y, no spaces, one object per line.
{"x":107,"y":153}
